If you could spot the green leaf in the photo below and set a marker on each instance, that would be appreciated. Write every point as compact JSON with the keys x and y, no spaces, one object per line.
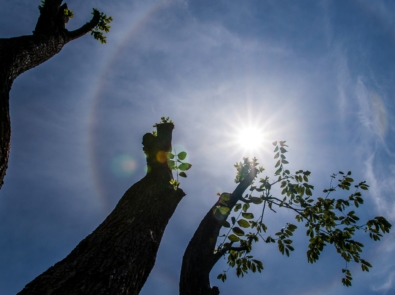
{"x":224,"y":210}
{"x":366,"y":263}
{"x":224,"y":223}
{"x":237,"y":207}
{"x":274,"y":142}
{"x":238,"y":231}
{"x":222,"y":277}
{"x":243,"y":223}
{"x":256,"y":200}
{"x":277,"y":155}
{"x":172,"y":165}
{"x":278,"y":163}
{"x":282,"y":143}
{"x":270,"y":240}
{"x":182,"y":156}
{"x":281,"y":247}
{"x":233,"y":238}
{"x":233,"y":220}
{"x":248,"y":215}
{"x":290,"y":247}
{"x":68,"y":13}
{"x":182,"y":174}
{"x":225,"y":197}
{"x":170,"y":155}
{"x":184,"y":166}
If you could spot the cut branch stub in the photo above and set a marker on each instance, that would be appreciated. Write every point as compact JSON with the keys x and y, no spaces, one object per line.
{"x":52,"y":19}
{"x":157,"y":147}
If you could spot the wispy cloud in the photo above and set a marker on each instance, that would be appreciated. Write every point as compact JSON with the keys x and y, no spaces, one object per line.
{"x":372,"y":110}
{"x":381,"y":187}
{"x":388,"y":285}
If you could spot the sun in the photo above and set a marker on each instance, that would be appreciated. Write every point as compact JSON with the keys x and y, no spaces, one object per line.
{"x":250,"y":138}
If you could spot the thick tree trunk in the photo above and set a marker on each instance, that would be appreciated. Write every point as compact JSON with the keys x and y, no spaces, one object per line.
{"x":20,"y":54}
{"x":119,"y":255}
{"x":199,"y":257}
{"x":5,"y":130}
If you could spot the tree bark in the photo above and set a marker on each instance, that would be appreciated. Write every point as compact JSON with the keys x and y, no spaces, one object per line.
{"x":20,"y":54}
{"x":199,"y":257}
{"x":119,"y":255}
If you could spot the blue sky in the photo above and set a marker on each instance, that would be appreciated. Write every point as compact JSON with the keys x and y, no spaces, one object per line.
{"x":318,"y":74}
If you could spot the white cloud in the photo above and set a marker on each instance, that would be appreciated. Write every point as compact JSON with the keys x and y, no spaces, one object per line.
{"x":372,"y":110}
{"x":381,"y":187}
{"x":388,"y":285}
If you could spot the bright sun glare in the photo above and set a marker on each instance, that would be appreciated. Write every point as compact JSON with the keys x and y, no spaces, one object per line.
{"x":250,"y":138}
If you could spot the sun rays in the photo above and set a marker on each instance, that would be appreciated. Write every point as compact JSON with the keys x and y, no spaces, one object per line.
{"x":250,"y":137}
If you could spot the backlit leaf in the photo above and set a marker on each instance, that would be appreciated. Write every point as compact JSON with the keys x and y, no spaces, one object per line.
{"x":243,"y":223}
{"x":224,"y":210}
{"x":184,"y":166}
{"x":233,"y":238}
{"x":248,"y":215}
{"x":238,"y":231}
{"x":182,"y":155}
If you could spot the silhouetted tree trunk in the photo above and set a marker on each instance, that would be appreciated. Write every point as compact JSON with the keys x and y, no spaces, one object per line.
{"x":119,"y":255}
{"x":20,"y":54}
{"x":199,"y":257}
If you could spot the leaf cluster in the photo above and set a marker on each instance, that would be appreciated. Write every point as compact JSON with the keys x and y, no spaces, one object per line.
{"x":244,"y":168}
{"x":164,"y":120}
{"x":329,"y":221}
{"x":68,"y":13}
{"x":284,"y":242}
{"x":102,"y":26}
{"x":176,"y":162}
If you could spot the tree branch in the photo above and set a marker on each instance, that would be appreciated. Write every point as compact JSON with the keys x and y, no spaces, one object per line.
{"x":243,"y":185}
{"x":89,"y":26}
{"x":244,"y":200}
{"x":199,"y":257}
{"x":223,"y":251}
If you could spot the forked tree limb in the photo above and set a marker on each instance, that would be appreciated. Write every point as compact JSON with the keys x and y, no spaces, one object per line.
{"x":20,"y":54}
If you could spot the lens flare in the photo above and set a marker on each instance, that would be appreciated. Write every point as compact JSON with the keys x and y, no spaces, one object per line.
{"x":123,"y":165}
